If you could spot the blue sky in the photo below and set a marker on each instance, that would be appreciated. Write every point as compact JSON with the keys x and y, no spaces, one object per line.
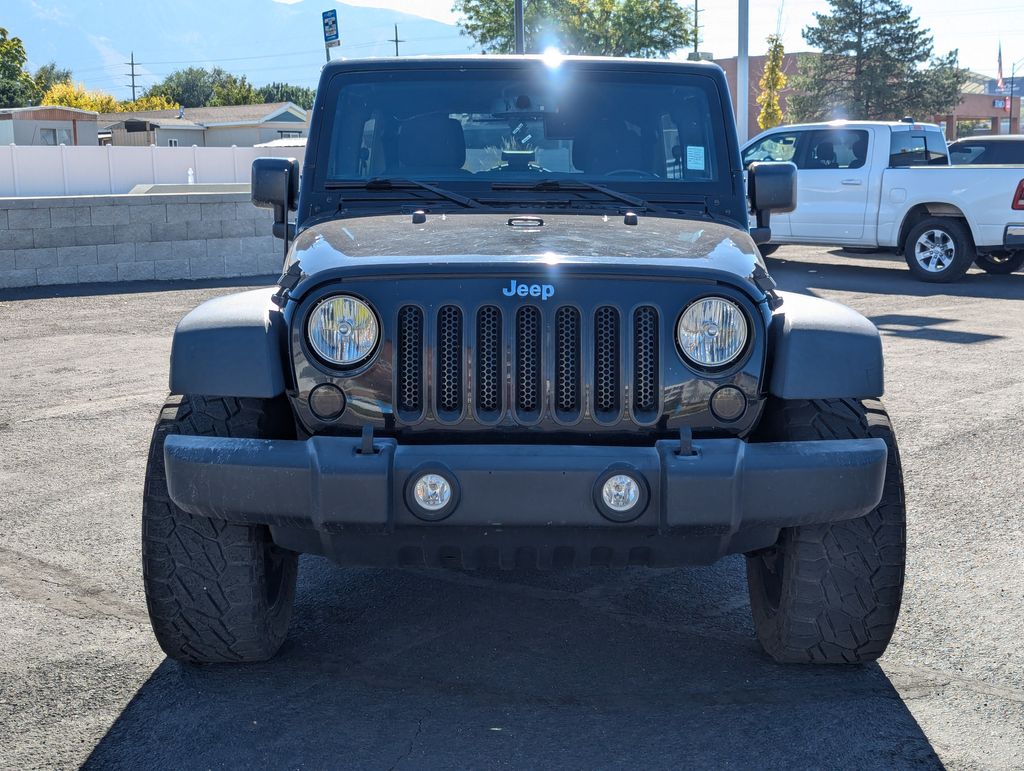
{"x":280,"y":39}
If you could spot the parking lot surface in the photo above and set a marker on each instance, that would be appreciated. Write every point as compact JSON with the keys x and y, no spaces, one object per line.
{"x":587,"y":669}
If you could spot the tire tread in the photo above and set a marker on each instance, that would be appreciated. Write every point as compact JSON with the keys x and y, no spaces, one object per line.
{"x":204,"y":577}
{"x":843,"y":581}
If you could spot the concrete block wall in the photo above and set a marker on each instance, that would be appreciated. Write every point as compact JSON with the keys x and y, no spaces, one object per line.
{"x":78,"y":239}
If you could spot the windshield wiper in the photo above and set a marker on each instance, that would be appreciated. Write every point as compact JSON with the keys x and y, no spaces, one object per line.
{"x":392,"y":183}
{"x":557,"y":185}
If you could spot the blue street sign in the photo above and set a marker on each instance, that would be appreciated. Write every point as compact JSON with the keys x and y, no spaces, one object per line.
{"x":331,"y":36}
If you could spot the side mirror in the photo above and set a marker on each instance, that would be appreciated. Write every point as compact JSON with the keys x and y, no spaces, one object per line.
{"x":770,"y":187}
{"x":275,"y":185}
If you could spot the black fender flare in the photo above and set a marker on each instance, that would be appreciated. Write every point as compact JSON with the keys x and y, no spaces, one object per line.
{"x":820,"y":349}
{"x":231,"y":346}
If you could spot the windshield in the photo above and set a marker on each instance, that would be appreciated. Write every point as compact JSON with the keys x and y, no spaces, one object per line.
{"x":521,"y":125}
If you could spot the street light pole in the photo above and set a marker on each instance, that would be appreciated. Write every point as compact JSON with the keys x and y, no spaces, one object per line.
{"x":520,"y":27}
{"x":743,"y":73}
{"x":1013,"y":82}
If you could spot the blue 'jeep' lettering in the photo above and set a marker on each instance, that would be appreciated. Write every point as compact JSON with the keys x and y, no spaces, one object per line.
{"x":543,"y":291}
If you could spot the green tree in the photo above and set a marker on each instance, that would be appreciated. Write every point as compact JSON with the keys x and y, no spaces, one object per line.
{"x":190,"y":87}
{"x":234,"y":90}
{"x":876,"y":63}
{"x":286,"y":92}
{"x":773,"y":80}
{"x":17,"y":89}
{"x":645,"y":28}
{"x":49,"y":75}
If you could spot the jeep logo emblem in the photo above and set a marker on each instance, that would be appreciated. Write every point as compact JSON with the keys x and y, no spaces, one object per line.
{"x":543,"y":291}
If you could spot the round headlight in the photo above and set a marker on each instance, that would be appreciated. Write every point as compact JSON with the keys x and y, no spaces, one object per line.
{"x":712,"y":332}
{"x":342,"y":330}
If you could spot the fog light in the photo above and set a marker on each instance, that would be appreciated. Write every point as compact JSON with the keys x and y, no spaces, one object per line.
{"x":432,"y":492}
{"x":620,"y":493}
{"x":728,"y":403}
{"x":327,"y":401}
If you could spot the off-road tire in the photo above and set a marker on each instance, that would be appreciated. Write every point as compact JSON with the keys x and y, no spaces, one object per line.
{"x":216,"y":591}
{"x":1000,"y":264}
{"x":831,"y":593}
{"x":958,"y":235}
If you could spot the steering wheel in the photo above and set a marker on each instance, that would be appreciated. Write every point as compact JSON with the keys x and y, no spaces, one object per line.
{"x":641,"y":172}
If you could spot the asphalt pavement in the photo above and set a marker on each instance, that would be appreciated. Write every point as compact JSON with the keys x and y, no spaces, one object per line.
{"x":415,"y":669}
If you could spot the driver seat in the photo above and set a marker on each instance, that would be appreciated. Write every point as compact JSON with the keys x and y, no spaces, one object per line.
{"x":608,"y":145}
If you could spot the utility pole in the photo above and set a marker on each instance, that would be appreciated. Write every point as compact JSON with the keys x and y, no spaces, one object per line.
{"x":743,"y":72}
{"x":696,"y":26}
{"x":395,"y":40}
{"x":132,"y":65}
{"x":520,"y":27}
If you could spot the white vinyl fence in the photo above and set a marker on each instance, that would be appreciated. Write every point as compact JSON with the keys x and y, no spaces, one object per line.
{"x":27,"y":170}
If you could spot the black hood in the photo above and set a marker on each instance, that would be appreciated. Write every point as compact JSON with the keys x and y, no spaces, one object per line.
{"x":573,"y":242}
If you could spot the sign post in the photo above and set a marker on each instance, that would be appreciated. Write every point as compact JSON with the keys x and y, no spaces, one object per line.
{"x":331,"y":36}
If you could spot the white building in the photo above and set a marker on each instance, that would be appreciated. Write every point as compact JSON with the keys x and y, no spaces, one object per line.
{"x":243,"y":125}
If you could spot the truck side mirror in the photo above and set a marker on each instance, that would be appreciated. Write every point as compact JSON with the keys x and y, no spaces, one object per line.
{"x":275,"y":185}
{"x":770,"y":187}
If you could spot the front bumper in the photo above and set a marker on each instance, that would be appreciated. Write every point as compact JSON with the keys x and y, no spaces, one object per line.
{"x":728,"y":495}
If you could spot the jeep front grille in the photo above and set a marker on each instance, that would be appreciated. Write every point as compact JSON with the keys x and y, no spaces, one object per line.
{"x":409,"y":381}
{"x":528,"y":361}
{"x":606,"y":362}
{"x":449,"y":360}
{"x":567,"y":360}
{"x":488,"y":360}
{"x":645,"y":359}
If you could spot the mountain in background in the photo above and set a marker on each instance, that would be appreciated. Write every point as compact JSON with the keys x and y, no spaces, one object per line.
{"x":261,"y":39}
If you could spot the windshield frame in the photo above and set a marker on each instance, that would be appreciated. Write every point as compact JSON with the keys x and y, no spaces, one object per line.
{"x":317,"y":200}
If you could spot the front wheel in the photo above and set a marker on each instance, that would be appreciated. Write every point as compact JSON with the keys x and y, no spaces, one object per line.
{"x":1001,"y":263}
{"x":216,"y":591}
{"x":939,"y":250}
{"x":831,"y":593}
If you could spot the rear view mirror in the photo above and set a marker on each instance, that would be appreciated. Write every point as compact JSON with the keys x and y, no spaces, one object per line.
{"x":275,"y":185}
{"x":770,"y":187}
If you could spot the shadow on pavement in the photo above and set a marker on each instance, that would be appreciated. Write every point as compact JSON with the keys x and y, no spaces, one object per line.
{"x":426,"y":669}
{"x":130,"y":287}
{"x":927,"y":328}
{"x":891,"y":277}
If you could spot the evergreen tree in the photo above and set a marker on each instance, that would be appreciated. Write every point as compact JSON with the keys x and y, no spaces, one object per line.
{"x":645,"y":28}
{"x":773,"y":80}
{"x":876,"y":63}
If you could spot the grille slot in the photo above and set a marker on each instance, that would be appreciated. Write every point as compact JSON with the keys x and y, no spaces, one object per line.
{"x":488,"y":359}
{"x":410,"y":360}
{"x":645,"y":359}
{"x":606,"y":361}
{"x":567,"y":360}
{"x":528,"y":359}
{"x":449,"y":359}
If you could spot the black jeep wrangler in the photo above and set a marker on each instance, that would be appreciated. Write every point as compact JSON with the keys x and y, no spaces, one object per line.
{"x":523,"y":322}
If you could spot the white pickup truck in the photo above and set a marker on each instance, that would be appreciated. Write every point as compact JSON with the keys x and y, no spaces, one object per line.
{"x":889,"y":185}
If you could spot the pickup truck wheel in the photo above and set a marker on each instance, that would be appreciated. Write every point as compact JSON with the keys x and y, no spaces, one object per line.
{"x":939,"y":250}
{"x":216,"y":591}
{"x":1000,"y":264}
{"x":831,"y":593}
